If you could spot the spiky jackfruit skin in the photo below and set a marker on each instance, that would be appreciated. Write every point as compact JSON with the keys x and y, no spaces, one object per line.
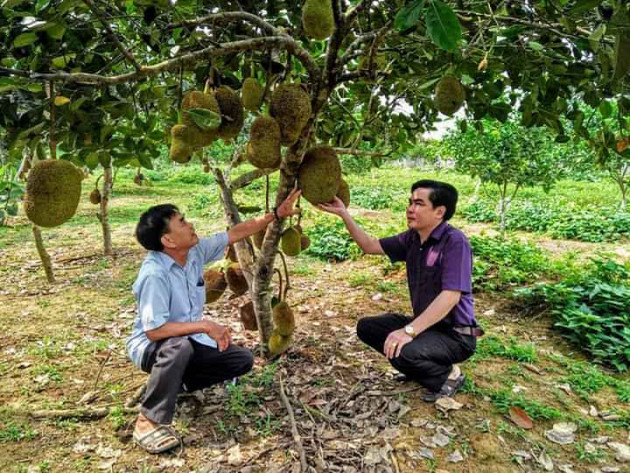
{"x":449,"y":95}
{"x":278,"y":344}
{"x":290,"y":242}
{"x":236,"y":280}
{"x":182,"y":148}
{"x":319,"y":175}
{"x":343,"y":192}
{"x":53,"y":190}
{"x":283,"y":319}
{"x":317,"y":19}
{"x":197,"y":99}
{"x":291,"y":107}
{"x":252,"y":94}
{"x":263,"y":150}
{"x":215,"y":285}
{"x":232,"y":115}
{"x":95,"y":197}
{"x":248,"y":316}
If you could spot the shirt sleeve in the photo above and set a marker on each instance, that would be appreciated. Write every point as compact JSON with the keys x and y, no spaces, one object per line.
{"x":457,"y":264}
{"x":395,"y":247}
{"x":212,"y":248}
{"x":153,"y":302}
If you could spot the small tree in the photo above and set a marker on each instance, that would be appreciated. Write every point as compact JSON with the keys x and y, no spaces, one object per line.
{"x":506,"y":155}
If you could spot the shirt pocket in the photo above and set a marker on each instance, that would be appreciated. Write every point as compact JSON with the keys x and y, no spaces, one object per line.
{"x":200,"y":296}
{"x":429,"y":277}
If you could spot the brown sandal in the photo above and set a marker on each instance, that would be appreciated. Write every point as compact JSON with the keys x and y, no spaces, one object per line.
{"x":448,"y":389}
{"x":158,"y":440}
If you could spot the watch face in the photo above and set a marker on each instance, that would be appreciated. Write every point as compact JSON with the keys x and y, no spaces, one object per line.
{"x":408,"y":330}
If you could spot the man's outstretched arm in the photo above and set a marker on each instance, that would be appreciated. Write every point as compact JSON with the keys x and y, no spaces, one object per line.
{"x":367,"y":243}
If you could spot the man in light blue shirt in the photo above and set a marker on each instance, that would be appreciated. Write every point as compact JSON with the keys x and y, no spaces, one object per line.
{"x":170,"y":340}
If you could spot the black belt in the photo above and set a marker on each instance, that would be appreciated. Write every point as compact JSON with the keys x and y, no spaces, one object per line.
{"x":469,"y":330}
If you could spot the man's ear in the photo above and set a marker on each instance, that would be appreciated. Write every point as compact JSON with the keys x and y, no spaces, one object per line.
{"x":166,"y":241}
{"x":441,"y":211}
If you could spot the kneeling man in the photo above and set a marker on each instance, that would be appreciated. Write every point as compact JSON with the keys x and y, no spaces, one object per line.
{"x":442,"y":330}
{"x":170,"y":340}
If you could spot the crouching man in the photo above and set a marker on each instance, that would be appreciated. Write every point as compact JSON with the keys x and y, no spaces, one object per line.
{"x":170,"y":340}
{"x":438,"y":257}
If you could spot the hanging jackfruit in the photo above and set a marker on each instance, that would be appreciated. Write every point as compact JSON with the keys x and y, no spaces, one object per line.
{"x":236,"y":280}
{"x":319,"y":175}
{"x":197,"y":136}
{"x":291,"y":107}
{"x":449,"y":95}
{"x":343,"y":192}
{"x":290,"y":242}
{"x":182,"y":149}
{"x":283,"y":319}
{"x":248,"y":317}
{"x":53,"y":190}
{"x":305,"y":242}
{"x":264,"y":144}
{"x":215,"y":284}
{"x":95,"y":197}
{"x":278,"y":344}
{"x":232,"y":115}
{"x":317,"y":19}
{"x":252,"y":94}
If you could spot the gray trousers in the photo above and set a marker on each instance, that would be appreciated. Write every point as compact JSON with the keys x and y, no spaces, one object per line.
{"x":178,"y":360}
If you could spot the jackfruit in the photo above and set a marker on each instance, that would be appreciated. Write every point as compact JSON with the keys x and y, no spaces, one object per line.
{"x":95,"y":197}
{"x":248,"y":317}
{"x":231,"y":113}
{"x":259,"y":237}
{"x":283,"y":319}
{"x":279,"y":344}
{"x":319,"y":175}
{"x":197,"y":99}
{"x":53,"y":190}
{"x":181,"y":150}
{"x":305,"y":242}
{"x":344,"y":192}
{"x":236,"y":280}
{"x":379,"y":62}
{"x":264,"y":145}
{"x":215,"y":285}
{"x":317,"y":19}
{"x":449,"y":95}
{"x":291,"y":242}
{"x":291,"y":107}
{"x":252,"y":94}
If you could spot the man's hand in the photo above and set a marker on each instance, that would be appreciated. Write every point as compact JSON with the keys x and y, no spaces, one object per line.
{"x":219,"y":333}
{"x":286,"y":209}
{"x":394,"y":343}
{"x":335,"y":207}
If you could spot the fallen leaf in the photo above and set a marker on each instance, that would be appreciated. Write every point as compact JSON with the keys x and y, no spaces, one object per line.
{"x":520,"y":418}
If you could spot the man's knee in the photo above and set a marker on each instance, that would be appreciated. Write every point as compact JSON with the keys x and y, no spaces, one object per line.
{"x":178,"y":347}
{"x":364,"y":329}
{"x":246,"y":362}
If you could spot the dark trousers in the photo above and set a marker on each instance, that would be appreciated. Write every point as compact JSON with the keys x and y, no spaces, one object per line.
{"x":179,"y":359}
{"x":429,"y":358}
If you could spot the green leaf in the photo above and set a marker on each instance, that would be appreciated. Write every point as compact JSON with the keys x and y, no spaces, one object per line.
{"x":596,"y":36}
{"x":24,"y":40}
{"x":145,"y":161}
{"x":41,"y":5}
{"x":584,"y":5}
{"x":534,"y":46}
{"x":204,"y":118}
{"x":409,"y":15}
{"x":56,"y":31}
{"x":442,"y":25}
{"x":605,"y":108}
{"x":62,"y":61}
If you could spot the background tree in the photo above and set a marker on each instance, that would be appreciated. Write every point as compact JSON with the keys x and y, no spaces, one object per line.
{"x":124,"y":66}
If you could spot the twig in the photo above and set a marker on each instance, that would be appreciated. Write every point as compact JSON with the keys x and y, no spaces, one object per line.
{"x":133,"y":400}
{"x":294,"y":430}
{"x":81,"y":413}
{"x":100,"y":370}
{"x":245,"y":179}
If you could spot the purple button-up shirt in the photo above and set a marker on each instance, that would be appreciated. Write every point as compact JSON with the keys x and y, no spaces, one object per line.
{"x":442,"y":262}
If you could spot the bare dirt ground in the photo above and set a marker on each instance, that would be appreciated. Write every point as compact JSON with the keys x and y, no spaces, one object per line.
{"x":62,"y":349}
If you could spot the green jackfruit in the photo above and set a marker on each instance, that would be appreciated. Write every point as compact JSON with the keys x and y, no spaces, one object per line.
{"x":182,"y":149}
{"x":196,"y":99}
{"x":232,"y":116}
{"x":215,"y":285}
{"x":95,"y":197}
{"x":53,"y":190}
{"x":291,"y":107}
{"x":291,"y":242}
{"x":449,"y":95}
{"x":236,"y":280}
{"x":305,"y":242}
{"x":264,"y":145}
{"x":344,"y":192}
{"x":317,"y":19}
{"x":283,"y":319}
{"x":248,"y":316}
{"x":252,"y":94}
{"x":319,"y":175}
{"x":279,"y":344}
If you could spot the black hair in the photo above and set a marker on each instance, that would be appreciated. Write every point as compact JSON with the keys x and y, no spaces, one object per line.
{"x":153,"y":224}
{"x":441,"y":194}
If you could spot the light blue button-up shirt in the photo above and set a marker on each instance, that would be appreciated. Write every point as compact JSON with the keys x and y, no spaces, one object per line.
{"x":168,"y":292}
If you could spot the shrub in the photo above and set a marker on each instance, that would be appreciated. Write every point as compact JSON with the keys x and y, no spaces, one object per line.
{"x":373,"y":198}
{"x":592,"y":309}
{"x":331,"y":241}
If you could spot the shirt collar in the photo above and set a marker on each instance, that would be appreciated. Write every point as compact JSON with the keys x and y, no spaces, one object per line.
{"x":164,"y":259}
{"x":438,"y":231}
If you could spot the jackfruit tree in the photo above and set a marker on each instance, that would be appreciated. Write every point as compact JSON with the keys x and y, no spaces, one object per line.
{"x":313,"y":77}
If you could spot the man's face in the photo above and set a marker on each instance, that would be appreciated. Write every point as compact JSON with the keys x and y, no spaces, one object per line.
{"x":420,"y":212}
{"x":181,"y":234}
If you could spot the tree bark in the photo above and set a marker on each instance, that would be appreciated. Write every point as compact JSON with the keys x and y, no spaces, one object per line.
{"x":103,"y":214}
{"x":43,"y":254}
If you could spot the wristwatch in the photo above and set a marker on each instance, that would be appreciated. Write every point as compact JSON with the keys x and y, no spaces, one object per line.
{"x":410,"y":331}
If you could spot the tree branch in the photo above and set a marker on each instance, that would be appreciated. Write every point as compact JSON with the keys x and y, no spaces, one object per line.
{"x":352,"y":13}
{"x":245,"y":179}
{"x":112,"y":35}
{"x":349,"y":76}
{"x":358,"y":152}
{"x":189,"y":60}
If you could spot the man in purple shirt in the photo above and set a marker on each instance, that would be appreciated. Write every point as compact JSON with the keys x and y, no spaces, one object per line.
{"x":443,"y":329}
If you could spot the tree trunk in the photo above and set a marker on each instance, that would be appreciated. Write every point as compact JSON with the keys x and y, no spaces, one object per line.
{"x":502,"y":205}
{"x":103,"y":214}
{"x":475,"y":196}
{"x":43,"y":254}
{"x":624,"y":198}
